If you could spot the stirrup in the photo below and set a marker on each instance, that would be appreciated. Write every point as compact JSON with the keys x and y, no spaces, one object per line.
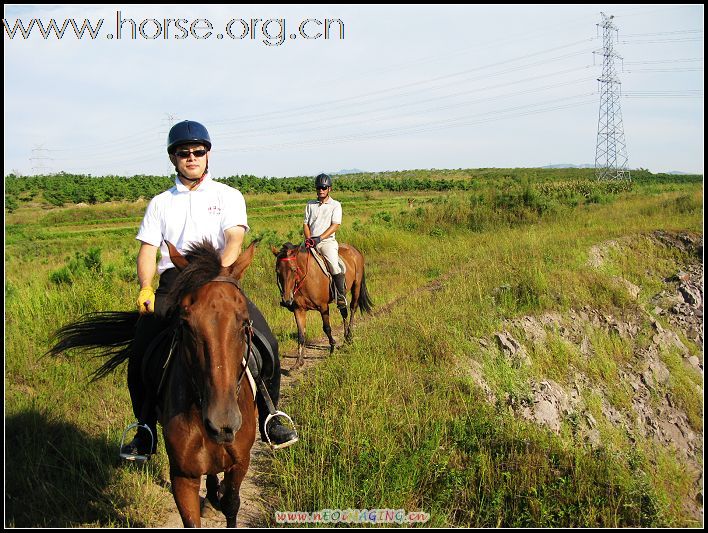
{"x":292,"y":424}
{"x":138,"y":458}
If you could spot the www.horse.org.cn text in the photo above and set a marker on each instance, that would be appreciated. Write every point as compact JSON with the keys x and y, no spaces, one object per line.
{"x":271,"y":31}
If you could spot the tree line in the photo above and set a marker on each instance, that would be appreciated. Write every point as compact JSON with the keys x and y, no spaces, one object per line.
{"x":64,"y":188}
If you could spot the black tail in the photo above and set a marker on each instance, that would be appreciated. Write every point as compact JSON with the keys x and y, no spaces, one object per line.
{"x":365,"y":303}
{"x":109,"y":334}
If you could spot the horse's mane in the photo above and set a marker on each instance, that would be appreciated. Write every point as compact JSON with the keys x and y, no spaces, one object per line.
{"x":204,"y":265}
{"x":286,"y":249}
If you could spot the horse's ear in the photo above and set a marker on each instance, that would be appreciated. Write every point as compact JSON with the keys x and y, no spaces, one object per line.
{"x":243,"y":262}
{"x":274,"y":250}
{"x":177,"y":258}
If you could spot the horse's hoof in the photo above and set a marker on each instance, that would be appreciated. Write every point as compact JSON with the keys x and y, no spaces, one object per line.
{"x":208,"y":510}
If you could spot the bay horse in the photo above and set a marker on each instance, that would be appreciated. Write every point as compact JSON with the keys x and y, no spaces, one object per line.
{"x":206,"y":408}
{"x":304,"y":286}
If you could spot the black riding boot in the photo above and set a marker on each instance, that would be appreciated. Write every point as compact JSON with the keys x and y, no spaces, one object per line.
{"x":280,"y":435}
{"x":341,"y":290}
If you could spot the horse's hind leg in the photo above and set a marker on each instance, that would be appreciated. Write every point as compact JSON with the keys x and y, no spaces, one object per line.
{"x":353,"y":306}
{"x":211,"y":502}
{"x":327,"y":328}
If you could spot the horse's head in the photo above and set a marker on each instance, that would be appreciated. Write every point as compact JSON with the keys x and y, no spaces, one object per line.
{"x":286,"y":273}
{"x":215,"y":326}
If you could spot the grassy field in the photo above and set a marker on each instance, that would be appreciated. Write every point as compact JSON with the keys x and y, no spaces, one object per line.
{"x":394,"y":420}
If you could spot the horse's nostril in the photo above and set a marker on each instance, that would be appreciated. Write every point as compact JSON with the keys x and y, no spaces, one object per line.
{"x":211,"y":428}
{"x":228,"y":434}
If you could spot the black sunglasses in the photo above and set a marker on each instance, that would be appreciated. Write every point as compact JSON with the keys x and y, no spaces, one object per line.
{"x":320,"y":188}
{"x":184,"y":154}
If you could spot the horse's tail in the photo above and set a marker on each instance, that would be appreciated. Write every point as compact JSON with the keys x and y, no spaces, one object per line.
{"x":365,"y":303}
{"x":109,"y":334}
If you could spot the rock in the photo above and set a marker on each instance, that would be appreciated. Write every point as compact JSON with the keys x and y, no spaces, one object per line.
{"x":669,"y":339}
{"x":514,"y":352}
{"x":691,"y":295}
{"x":672,"y":433}
{"x":660,"y":372}
{"x":593,"y":438}
{"x":545,"y":413}
{"x":648,"y":379}
{"x":682,"y":276}
{"x":632,"y":289}
{"x":694,"y":362}
{"x":585,"y":347}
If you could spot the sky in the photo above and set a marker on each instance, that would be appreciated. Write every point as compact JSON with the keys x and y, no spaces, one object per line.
{"x":387,"y":88}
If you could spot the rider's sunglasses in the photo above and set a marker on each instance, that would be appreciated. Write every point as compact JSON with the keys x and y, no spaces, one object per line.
{"x":320,"y":188}
{"x":184,"y":154}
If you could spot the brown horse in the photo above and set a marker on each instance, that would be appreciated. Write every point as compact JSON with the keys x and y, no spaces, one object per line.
{"x":304,"y":286}
{"x":206,"y":407}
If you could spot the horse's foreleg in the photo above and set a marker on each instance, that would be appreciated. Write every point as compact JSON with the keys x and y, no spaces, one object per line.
{"x":326,"y":328}
{"x":186,"y":493}
{"x":300,"y":320}
{"x":231,"y":501}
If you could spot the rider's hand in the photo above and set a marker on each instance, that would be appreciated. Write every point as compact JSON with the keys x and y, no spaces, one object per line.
{"x":316,"y":240}
{"x":146,"y":300}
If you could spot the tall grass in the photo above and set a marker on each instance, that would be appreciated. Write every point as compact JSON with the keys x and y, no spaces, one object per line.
{"x":392,"y":421}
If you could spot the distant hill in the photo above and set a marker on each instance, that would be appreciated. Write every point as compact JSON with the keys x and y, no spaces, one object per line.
{"x":568,"y":165}
{"x":347,"y":171}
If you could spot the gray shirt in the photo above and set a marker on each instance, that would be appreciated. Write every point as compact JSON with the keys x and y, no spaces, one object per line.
{"x":321,"y":216}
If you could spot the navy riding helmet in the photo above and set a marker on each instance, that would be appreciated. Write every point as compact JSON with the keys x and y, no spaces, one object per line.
{"x":323,"y":180}
{"x":187,"y":131}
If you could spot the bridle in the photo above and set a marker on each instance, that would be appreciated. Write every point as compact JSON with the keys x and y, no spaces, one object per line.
{"x":299,"y":276}
{"x":248,"y":332}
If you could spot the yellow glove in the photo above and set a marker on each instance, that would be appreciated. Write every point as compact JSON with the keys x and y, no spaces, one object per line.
{"x":146,"y":300}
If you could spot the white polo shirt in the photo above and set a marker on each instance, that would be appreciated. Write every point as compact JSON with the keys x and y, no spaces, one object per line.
{"x":185,"y":217}
{"x":321,"y":216}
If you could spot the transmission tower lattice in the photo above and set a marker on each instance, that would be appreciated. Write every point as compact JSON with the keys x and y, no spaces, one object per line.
{"x":611,"y":150}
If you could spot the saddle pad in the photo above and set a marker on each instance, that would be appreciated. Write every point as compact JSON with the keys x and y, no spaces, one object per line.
{"x":323,"y":263}
{"x":250,"y":378}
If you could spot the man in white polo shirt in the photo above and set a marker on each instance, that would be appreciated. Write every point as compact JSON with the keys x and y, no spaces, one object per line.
{"x":195,"y":209}
{"x":322,"y":219}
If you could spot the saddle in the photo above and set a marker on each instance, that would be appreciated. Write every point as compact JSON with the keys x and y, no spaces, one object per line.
{"x":322,"y":262}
